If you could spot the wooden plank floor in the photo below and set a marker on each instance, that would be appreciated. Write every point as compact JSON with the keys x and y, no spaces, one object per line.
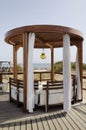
{"x":13,"y":118}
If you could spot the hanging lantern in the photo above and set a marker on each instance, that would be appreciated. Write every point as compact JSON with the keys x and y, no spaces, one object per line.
{"x":43,"y":55}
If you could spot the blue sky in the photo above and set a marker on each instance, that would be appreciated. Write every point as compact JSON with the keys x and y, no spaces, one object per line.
{"x":16,"y":13}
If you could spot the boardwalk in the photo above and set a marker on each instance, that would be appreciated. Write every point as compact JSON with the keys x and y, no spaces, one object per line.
{"x":13,"y":118}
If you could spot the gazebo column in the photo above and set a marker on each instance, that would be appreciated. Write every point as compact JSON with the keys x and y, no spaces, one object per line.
{"x":80,"y":56}
{"x":52,"y":63}
{"x":79,"y":73}
{"x":15,"y":61}
{"x":25,"y":61}
{"x":67,"y":86}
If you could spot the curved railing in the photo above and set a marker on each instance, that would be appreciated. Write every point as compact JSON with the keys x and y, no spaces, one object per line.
{"x":51,"y":94}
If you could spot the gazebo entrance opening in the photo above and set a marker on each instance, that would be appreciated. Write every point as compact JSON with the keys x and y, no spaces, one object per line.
{"x":46,"y":36}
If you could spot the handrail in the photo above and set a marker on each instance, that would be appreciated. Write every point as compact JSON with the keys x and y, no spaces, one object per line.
{"x":54,"y":85}
{"x":18,"y":84}
{"x":50,"y":85}
{"x":84,"y":77}
{"x":40,"y":72}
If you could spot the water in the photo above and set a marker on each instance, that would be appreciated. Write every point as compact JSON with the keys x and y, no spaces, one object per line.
{"x":42,"y":66}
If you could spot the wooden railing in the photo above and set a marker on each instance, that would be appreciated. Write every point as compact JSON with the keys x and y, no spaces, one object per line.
{"x":49,"y":86}
{"x":40,"y":75}
{"x":17,"y":84}
{"x":54,"y":85}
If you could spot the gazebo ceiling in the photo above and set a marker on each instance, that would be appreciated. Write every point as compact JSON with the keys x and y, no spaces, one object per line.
{"x":46,"y":35}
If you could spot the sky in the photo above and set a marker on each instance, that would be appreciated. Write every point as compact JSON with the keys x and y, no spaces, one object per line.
{"x":17,"y":13}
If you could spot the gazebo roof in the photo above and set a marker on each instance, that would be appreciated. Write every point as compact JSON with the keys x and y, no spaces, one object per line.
{"x":46,"y":35}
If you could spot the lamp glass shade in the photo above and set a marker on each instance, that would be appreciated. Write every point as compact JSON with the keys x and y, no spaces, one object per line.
{"x":43,"y":56}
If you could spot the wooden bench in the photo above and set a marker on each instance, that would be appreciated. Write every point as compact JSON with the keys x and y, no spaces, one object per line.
{"x":16,"y":90}
{"x":51,"y":94}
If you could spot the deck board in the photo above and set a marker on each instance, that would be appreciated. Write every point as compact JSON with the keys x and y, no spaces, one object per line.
{"x":5,"y":127}
{"x":45,"y":124}
{"x":23,"y":125}
{"x":66,"y":122}
{"x":71,"y":122}
{"x":28,"y":125}
{"x":50,"y":123}
{"x":13,"y":118}
{"x":83,"y":118}
{"x":34,"y":124}
{"x":17,"y":126}
{"x":55,"y":122}
{"x":11,"y":126}
{"x":76,"y":120}
{"x":61,"y":123}
{"x":39,"y":124}
{"x":79,"y":121}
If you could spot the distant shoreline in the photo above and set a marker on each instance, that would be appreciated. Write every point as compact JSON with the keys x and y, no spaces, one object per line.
{"x":40,"y":66}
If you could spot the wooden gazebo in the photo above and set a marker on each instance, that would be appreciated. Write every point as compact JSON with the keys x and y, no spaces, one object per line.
{"x":46,"y":36}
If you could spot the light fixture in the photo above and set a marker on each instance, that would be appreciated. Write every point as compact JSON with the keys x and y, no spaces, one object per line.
{"x":43,"y":55}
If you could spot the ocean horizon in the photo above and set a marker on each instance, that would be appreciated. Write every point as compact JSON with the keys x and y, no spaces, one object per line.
{"x":36,"y":66}
{"x":42,"y":66}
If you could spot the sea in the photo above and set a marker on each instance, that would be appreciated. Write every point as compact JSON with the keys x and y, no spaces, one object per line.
{"x":42,"y":66}
{"x":38,"y":66}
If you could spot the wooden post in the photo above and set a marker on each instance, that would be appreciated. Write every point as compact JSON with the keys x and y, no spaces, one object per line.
{"x":80,"y":59}
{"x":0,"y":78}
{"x":15,"y":61}
{"x":17,"y":82}
{"x":10,"y":88}
{"x":25,"y":62}
{"x":52,"y":63}
{"x":47,"y":96}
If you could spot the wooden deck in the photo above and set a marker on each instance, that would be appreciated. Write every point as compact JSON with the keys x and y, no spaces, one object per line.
{"x":13,"y":118}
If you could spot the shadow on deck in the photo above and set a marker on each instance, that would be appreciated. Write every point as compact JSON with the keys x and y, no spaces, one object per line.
{"x":10,"y":111}
{"x":12,"y":117}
